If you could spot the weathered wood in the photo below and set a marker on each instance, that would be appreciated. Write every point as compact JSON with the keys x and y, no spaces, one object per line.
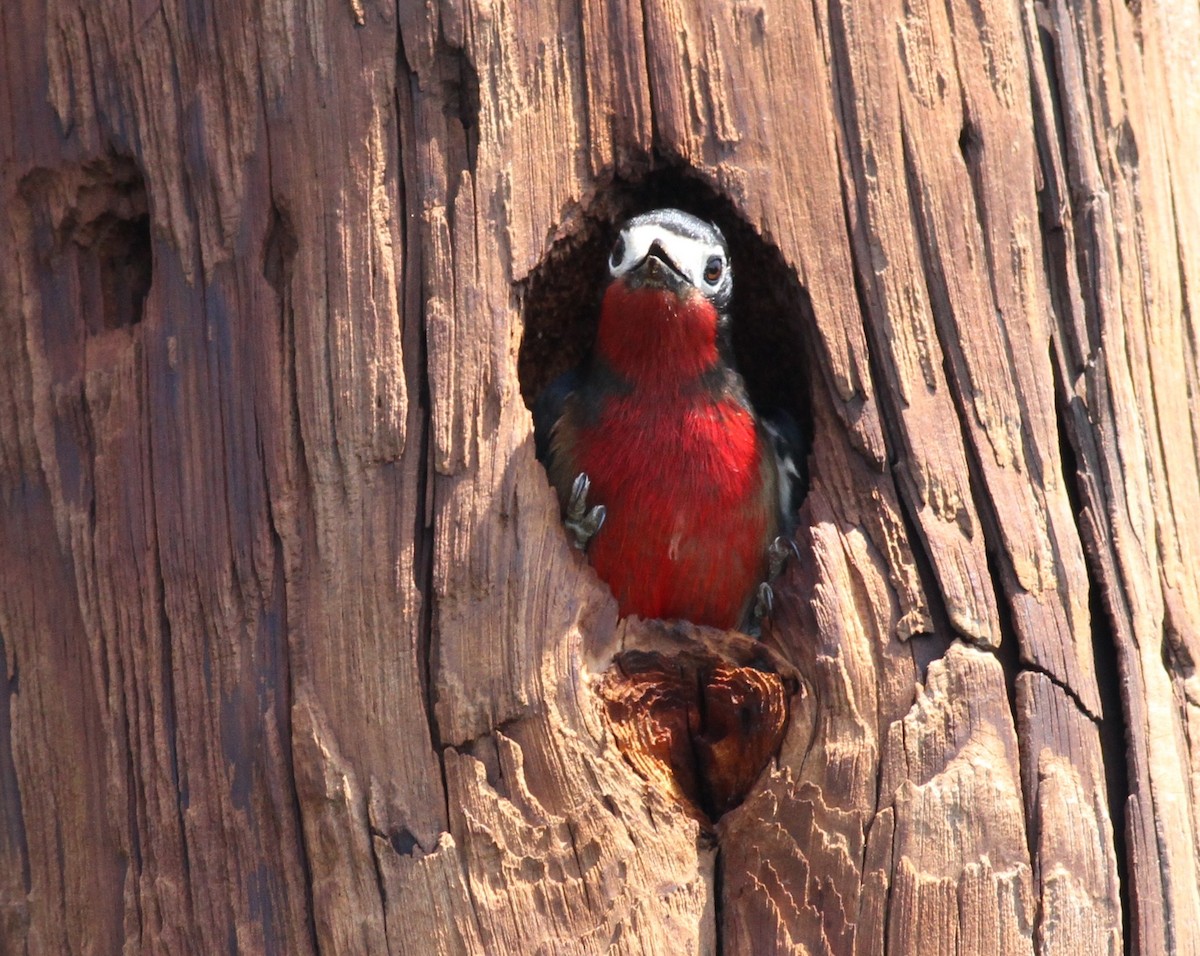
{"x":296,"y":655}
{"x":1066,"y":805}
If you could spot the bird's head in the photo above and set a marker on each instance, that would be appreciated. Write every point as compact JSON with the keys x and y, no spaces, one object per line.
{"x":666,"y":306}
{"x":673,"y":250}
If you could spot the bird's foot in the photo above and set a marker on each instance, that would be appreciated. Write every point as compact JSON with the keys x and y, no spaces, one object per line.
{"x":777,"y":555}
{"x":764,"y":602}
{"x":778,"y":552}
{"x":583,"y":522}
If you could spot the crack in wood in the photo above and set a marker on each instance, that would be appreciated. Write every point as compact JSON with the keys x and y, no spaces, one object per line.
{"x":280,"y":247}
{"x":1112,"y":720}
{"x":13,"y":812}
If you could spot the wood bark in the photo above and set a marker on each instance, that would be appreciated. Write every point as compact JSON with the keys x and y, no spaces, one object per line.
{"x":297,"y":656}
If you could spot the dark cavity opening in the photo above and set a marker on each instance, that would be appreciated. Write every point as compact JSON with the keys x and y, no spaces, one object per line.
{"x":124,"y":263}
{"x":108,"y":230}
{"x":771,"y":311}
{"x":279,"y":251}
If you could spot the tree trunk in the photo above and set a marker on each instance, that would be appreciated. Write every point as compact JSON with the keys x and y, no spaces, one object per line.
{"x":297,"y":656}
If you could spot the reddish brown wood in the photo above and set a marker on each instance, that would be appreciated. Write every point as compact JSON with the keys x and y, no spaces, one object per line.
{"x":297,"y":657}
{"x":699,"y":720}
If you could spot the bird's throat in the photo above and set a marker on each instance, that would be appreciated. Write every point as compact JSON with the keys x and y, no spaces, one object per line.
{"x":653,"y":336}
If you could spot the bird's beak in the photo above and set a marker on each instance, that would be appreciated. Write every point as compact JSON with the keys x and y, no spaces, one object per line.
{"x":658,"y":271}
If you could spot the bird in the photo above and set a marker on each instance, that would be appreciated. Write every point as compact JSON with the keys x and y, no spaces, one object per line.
{"x":679,"y":491}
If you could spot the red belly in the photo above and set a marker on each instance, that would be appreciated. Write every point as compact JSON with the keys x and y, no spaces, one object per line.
{"x":689,"y":518}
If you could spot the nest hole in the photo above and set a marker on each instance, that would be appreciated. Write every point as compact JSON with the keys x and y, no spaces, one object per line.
{"x":771,"y":311}
{"x":699,"y":724}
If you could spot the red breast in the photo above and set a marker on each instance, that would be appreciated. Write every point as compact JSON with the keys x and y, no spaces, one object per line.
{"x":679,"y":467}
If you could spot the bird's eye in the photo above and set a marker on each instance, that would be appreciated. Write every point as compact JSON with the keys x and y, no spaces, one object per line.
{"x":618,"y":252}
{"x":713,"y":270}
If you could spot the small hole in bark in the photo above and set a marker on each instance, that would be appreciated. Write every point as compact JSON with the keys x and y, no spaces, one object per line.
{"x":771,"y":310}
{"x":105,"y":229}
{"x":279,"y":251}
{"x":124,"y":264}
{"x":403,"y":841}
{"x":970,"y":143}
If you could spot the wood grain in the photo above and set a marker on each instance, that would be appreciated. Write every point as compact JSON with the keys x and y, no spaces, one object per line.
{"x":296,"y":655}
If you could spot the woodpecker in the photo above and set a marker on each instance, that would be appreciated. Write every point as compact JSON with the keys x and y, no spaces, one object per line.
{"x":681,"y":494}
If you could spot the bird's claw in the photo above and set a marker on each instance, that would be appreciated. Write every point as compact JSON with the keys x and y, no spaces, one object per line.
{"x":764,"y":599}
{"x":583,"y":522}
{"x":777,"y":555}
{"x":764,"y":602}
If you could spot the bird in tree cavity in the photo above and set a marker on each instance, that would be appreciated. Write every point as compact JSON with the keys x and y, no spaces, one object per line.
{"x":679,"y":490}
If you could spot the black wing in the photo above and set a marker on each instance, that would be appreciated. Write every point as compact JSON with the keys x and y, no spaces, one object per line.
{"x":548,"y":409}
{"x":791,"y":458}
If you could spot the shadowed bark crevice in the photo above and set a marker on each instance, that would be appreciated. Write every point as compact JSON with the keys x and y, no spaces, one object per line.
{"x":14,"y":817}
{"x":1071,"y":294}
{"x":1112,"y":724}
